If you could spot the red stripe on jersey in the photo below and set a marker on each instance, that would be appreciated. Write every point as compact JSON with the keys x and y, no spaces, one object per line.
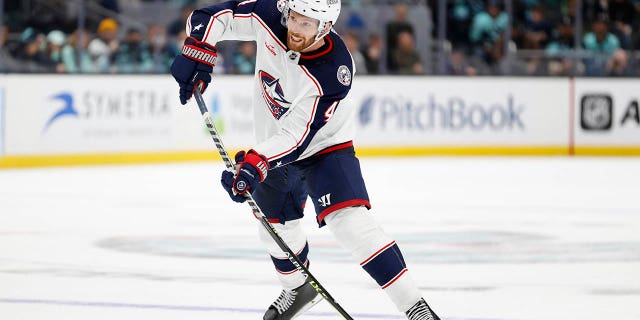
{"x":264,"y":25}
{"x":395,"y":278}
{"x":312,"y":79}
{"x":334,"y":148}
{"x":377,"y":253}
{"x":213,"y":19}
{"x":246,"y":2}
{"x":189,"y":25}
{"x":342,"y":205}
{"x":304,"y":135}
{"x":321,"y":53}
{"x":313,"y":115}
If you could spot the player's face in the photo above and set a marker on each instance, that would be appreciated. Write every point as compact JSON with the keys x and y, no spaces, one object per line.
{"x":301,"y":31}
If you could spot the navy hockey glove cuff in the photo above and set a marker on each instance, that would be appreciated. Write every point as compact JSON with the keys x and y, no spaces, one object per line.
{"x":252,"y":169}
{"x":193,"y":67}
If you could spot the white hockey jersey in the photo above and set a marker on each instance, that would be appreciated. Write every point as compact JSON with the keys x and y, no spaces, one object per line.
{"x":296,"y":97}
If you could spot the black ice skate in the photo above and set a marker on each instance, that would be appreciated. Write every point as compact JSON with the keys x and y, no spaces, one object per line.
{"x":292,"y":303}
{"x":421,"y":311}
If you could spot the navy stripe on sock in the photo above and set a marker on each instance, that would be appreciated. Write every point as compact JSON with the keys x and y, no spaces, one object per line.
{"x":386,"y":264}
{"x":285,"y":266}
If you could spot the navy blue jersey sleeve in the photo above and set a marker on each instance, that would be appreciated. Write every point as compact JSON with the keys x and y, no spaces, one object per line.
{"x":232,"y":20}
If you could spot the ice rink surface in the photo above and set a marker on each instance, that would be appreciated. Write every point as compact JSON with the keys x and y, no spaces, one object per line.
{"x":485,"y":239}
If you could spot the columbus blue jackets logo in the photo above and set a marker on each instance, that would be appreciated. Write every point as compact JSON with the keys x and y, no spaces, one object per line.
{"x":344,"y":75}
{"x":273,"y":95}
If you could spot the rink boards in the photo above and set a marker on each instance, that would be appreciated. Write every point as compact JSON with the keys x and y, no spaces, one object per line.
{"x":67,"y":119}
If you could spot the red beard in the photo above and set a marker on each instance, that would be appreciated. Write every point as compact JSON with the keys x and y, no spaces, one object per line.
{"x":298,"y":46}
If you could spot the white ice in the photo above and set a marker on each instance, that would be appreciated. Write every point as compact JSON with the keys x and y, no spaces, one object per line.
{"x":551,"y":238}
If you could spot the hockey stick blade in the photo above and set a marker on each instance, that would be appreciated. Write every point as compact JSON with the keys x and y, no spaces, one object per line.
{"x":257,"y":212}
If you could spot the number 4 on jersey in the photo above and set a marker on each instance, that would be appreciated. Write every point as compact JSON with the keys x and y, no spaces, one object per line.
{"x":330,"y":111}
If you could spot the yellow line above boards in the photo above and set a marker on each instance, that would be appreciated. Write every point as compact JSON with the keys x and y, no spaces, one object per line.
{"x":163,"y":157}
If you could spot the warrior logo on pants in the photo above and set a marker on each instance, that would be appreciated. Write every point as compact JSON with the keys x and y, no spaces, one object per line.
{"x":325,"y":200}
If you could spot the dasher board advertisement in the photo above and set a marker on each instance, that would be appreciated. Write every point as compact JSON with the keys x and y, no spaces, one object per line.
{"x":607,"y":112}
{"x":461,"y":111}
{"x":53,"y":114}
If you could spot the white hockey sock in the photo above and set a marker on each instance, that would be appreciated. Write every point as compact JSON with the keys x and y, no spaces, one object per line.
{"x":357,"y":231}
{"x":293,"y":235}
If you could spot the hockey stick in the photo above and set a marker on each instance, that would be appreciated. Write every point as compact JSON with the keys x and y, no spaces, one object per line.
{"x":260,"y":215}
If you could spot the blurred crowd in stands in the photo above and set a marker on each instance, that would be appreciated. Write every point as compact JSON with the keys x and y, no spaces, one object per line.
{"x":543,"y":37}
{"x":542,"y":40}
{"x":53,"y":45}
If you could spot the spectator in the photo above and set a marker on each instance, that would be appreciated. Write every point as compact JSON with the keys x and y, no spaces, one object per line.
{"x":405,"y":58}
{"x":460,"y":13}
{"x":396,"y":26}
{"x":353,"y":45}
{"x":103,"y":48}
{"x":486,"y":33}
{"x":174,"y":44}
{"x":133,"y":55}
{"x":537,"y":30}
{"x":7,"y":62}
{"x":53,"y":47}
{"x":593,"y":10}
{"x":77,"y":61}
{"x":162,"y":50}
{"x":601,"y":44}
{"x":373,"y":54}
{"x":29,"y":54}
{"x":617,"y":65}
{"x":459,"y":66}
{"x":355,"y":24}
{"x":43,"y":18}
{"x":244,"y":59}
{"x":178,"y":25}
{"x":622,"y":14}
{"x":560,"y":50}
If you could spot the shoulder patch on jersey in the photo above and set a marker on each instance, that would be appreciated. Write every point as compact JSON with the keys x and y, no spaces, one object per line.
{"x":344,"y":75}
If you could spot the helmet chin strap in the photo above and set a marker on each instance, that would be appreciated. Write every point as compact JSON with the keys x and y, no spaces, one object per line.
{"x":312,"y":44}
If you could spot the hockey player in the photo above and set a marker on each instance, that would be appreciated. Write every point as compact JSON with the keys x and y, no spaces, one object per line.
{"x":303,"y":72}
